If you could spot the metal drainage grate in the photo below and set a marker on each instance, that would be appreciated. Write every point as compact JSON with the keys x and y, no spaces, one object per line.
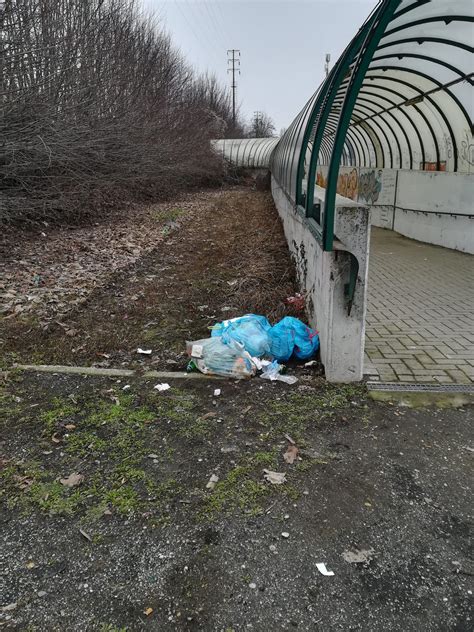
{"x":425,"y":388}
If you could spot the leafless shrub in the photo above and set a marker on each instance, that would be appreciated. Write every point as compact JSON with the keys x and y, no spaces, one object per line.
{"x":98,"y":106}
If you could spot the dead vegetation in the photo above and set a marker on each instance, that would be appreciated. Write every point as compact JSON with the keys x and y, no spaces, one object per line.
{"x":168,"y":273}
{"x":97,"y":107}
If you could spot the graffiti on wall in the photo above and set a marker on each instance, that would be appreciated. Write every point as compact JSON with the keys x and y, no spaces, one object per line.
{"x":347,"y":182}
{"x":370,"y":186}
{"x":432,"y":166}
{"x":365,"y":185}
{"x":466,"y":152}
{"x":321,"y":181}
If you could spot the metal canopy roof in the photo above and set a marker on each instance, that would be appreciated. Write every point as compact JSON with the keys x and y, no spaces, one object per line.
{"x":400,"y":96}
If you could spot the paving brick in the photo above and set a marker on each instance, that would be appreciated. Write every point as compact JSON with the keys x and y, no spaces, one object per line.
{"x":421,"y":311}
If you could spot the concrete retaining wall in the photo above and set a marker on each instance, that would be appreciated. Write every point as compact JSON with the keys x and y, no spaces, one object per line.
{"x":323,"y":275}
{"x":435,"y":207}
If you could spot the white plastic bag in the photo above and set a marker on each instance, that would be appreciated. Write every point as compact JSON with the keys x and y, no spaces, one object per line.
{"x":272,"y":372}
{"x":213,"y":357}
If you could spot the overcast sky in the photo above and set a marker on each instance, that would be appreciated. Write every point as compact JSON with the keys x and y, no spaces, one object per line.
{"x":282,"y":42}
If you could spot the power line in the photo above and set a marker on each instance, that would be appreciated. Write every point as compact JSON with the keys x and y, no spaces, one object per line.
{"x":220,"y":21}
{"x":207,"y":35}
{"x":214,"y":22}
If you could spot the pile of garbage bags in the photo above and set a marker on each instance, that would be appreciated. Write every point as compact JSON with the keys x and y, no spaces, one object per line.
{"x":241,"y":346}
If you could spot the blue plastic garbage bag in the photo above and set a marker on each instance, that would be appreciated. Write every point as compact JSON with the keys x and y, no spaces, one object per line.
{"x":290,"y":336}
{"x":251,"y":331}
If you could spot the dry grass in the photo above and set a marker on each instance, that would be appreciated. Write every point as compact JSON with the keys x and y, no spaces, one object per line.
{"x":225,"y":256}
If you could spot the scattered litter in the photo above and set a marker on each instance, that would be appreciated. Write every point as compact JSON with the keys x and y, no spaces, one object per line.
{"x":55,"y":438}
{"x":152,"y":456}
{"x":291,"y":454}
{"x":321,"y":566}
{"x":85,"y":535}
{"x":126,"y":387}
{"x":273,"y":548}
{"x":212,"y":481}
{"x":232,"y":283}
{"x":72,"y":480}
{"x":162,"y":387}
{"x":9,"y":607}
{"x":285,"y":535}
{"x":144,"y":351}
{"x":231,"y":448}
{"x":272,"y":373}
{"x":41,"y":593}
{"x":253,"y":586}
{"x":191,"y":367}
{"x":260,"y":364}
{"x":289,"y":439}
{"x":310,"y":363}
{"x":275,"y":478}
{"x":362,"y":556}
{"x":148,"y":611}
{"x":241,"y":346}
{"x":30,"y":564}
{"x":217,"y":392}
{"x":70,"y":426}
{"x":298,"y":302}
{"x":468,"y":448}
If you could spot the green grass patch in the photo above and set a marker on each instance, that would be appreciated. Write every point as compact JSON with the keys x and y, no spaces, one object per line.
{"x":297,"y":411}
{"x":108,"y":445}
{"x":61,"y":410}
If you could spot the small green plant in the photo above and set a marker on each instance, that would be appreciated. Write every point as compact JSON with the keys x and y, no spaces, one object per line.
{"x":61,"y":410}
{"x":168,"y":215}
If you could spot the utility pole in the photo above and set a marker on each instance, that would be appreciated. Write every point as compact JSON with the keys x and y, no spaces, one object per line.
{"x":235,"y":61}
{"x":257,"y":116}
{"x":326,"y":65}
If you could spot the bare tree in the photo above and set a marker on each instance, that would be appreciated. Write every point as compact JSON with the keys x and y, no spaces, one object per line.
{"x":98,"y":106}
{"x":262,"y":126}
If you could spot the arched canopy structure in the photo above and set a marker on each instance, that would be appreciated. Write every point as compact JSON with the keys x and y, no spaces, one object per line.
{"x":247,"y":152}
{"x":399,"y":97}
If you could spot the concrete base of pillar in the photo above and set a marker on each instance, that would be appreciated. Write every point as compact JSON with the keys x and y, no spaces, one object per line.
{"x":323,"y":276}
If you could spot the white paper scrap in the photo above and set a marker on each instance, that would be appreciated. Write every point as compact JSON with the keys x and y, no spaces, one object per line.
{"x":196,"y":351}
{"x":144,"y":351}
{"x":323,"y":570}
{"x":162,"y":387}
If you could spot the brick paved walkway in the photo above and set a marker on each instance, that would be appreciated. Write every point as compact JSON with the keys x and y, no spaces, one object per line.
{"x":420,"y":316}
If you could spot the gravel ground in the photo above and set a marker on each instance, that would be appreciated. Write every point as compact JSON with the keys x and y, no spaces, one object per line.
{"x":384,"y":485}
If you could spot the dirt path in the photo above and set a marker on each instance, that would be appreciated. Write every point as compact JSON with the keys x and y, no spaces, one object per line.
{"x":212,"y":256}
